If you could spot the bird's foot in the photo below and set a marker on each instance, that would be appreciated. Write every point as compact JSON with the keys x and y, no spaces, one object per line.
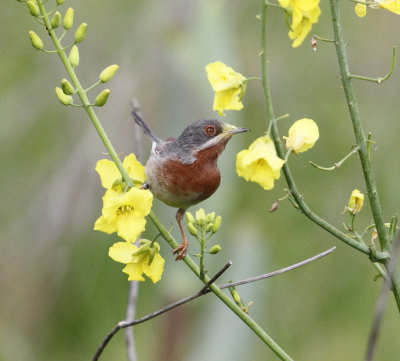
{"x":181,"y":250}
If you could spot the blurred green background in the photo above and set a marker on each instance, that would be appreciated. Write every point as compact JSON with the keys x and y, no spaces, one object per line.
{"x":61,"y":293}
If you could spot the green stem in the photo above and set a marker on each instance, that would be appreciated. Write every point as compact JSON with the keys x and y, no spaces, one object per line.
{"x":202,"y":248}
{"x":164,"y":232}
{"x":281,"y":153}
{"x":222,"y":296}
{"x":361,"y":141}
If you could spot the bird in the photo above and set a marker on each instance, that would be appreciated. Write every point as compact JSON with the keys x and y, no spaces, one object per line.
{"x":183,"y":171}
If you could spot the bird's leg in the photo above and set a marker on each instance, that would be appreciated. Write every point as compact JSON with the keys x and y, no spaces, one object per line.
{"x":182,"y":248}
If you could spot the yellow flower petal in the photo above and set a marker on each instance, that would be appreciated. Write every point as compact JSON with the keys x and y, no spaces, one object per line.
{"x":155,"y":270}
{"x":129,"y":226}
{"x":391,"y":5}
{"x":356,"y":201}
{"x":134,"y":168}
{"x":260,"y":163}
{"x":134,"y":271}
{"x":108,"y":172}
{"x":104,"y":225}
{"x":227,"y":100}
{"x":360,"y":10}
{"x":302,"y":135}
{"x":122,"y":252}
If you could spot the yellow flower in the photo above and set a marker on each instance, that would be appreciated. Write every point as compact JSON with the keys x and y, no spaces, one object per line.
{"x":260,"y":163}
{"x":228,"y":85}
{"x":305,"y":13}
{"x":124,"y":211}
{"x":143,"y":260}
{"x":356,"y":202}
{"x":302,"y":135}
{"x":391,"y":5}
{"x":361,"y":10}
{"x":109,"y":172}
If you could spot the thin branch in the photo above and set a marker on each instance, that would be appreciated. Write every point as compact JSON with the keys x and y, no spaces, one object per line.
{"x":338,"y":164}
{"x":381,"y":304}
{"x":130,"y":316}
{"x":203,"y":291}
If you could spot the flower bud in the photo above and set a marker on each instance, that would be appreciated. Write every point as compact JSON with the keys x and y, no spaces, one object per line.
{"x":201,"y":217}
{"x":209,"y":227}
{"x":56,"y":20}
{"x":210,"y":217}
{"x":217,"y":224}
{"x":108,"y":73}
{"x":60,"y":2}
{"x":33,"y":8}
{"x":189,"y":217}
{"x":63,"y":98}
{"x":215,"y":249}
{"x":192,"y":229}
{"x":68,"y":19}
{"x":80,"y":33}
{"x":74,"y":56}
{"x":67,"y":87}
{"x":236,"y":297}
{"x":35,"y":40}
{"x":356,"y":202}
{"x":102,"y":98}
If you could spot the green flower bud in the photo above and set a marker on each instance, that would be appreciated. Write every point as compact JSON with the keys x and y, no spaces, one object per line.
{"x":60,"y":2}
{"x":201,"y":217}
{"x":74,"y":56}
{"x":210,"y":217}
{"x":217,"y":224}
{"x":189,"y":217}
{"x":192,"y":229}
{"x":209,"y":227}
{"x":215,"y":249}
{"x":102,"y":98}
{"x":236,"y":297}
{"x":35,"y":40}
{"x":63,"y":98}
{"x":56,"y":20}
{"x":80,"y":33}
{"x":108,"y":73}
{"x":33,"y":8}
{"x":67,"y":87}
{"x":68,"y":19}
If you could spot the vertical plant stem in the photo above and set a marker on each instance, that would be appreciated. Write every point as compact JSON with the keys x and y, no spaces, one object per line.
{"x":372,"y":191}
{"x":202,"y":247}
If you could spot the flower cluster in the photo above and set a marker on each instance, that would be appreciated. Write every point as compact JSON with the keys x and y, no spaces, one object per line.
{"x":124,"y":211}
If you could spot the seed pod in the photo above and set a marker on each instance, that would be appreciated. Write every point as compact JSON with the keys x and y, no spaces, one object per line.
{"x":236,"y":297}
{"x":102,"y":98}
{"x":68,"y":19}
{"x":67,"y":87}
{"x":35,"y":40}
{"x":217,"y":224}
{"x":33,"y":8}
{"x":56,"y":20}
{"x":80,"y":33}
{"x":74,"y":56}
{"x":215,"y":249}
{"x":63,"y":98}
{"x":108,"y":73}
{"x":192,"y":229}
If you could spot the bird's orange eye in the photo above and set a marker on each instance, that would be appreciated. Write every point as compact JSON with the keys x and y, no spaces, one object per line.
{"x":210,"y":130}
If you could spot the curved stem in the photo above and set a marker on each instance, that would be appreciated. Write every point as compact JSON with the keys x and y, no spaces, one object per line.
{"x":361,"y":141}
{"x":281,"y":153}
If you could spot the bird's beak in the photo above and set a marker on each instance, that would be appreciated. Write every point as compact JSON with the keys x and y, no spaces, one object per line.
{"x":229,"y":130}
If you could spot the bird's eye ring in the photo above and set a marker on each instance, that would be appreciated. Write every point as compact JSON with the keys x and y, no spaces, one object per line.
{"x":210,"y":130}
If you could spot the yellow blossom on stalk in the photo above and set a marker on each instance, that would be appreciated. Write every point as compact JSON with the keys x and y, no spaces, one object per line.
{"x":260,"y":163}
{"x":302,"y":135}
{"x":143,"y":260}
{"x":356,"y":202}
{"x":391,"y":5}
{"x":305,"y":13}
{"x":228,"y":85}
{"x":124,"y":211}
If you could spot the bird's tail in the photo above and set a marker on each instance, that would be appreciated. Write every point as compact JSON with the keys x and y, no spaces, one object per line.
{"x":141,"y":123}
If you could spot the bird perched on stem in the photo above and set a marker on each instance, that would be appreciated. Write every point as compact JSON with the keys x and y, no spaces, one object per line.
{"x":183,"y":172}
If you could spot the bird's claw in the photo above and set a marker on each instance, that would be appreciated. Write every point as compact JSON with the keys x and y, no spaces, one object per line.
{"x":181,"y":250}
